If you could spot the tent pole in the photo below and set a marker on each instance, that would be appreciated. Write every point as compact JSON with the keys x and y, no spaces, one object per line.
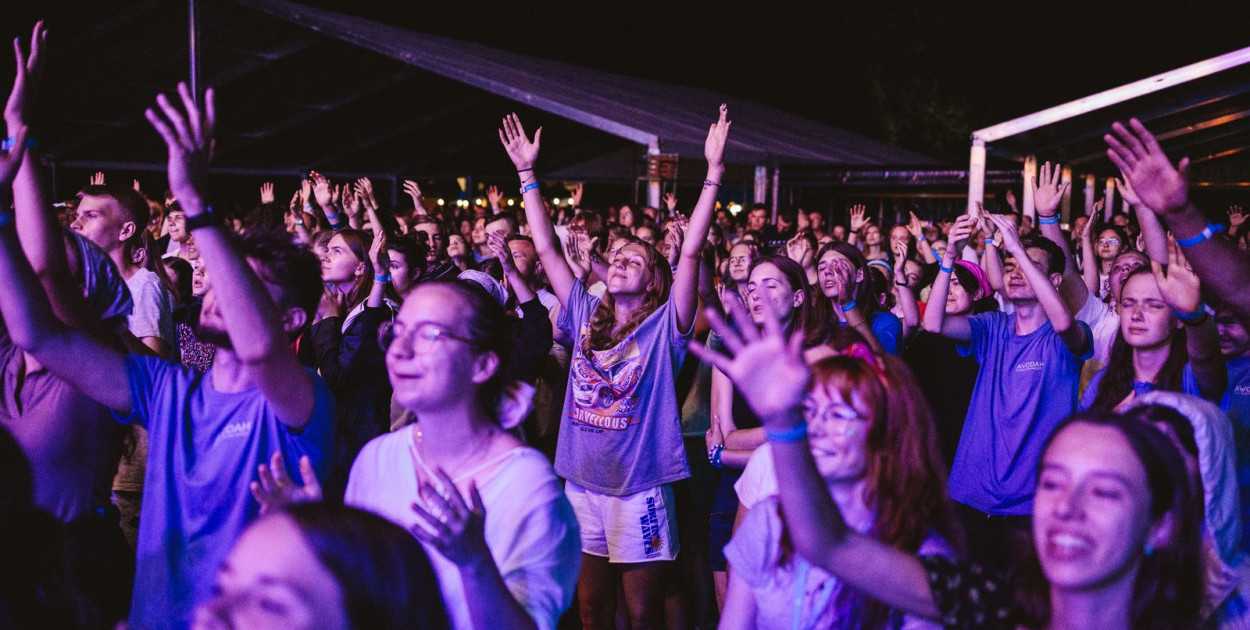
{"x":1027,"y":205}
{"x":193,"y":45}
{"x":776,"y":191}
{"x":1090,"y":191}
{"x":1109,"y":195}
{"x":976,"y":173}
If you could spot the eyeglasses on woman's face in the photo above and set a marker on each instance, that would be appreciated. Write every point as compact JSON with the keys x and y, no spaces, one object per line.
{"x":420,"y":338}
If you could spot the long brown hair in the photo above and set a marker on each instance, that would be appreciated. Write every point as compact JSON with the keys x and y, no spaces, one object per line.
{"x":805,"y":317}
{"x":906,"y":477}
{"x":358,"y":242}
{"x":1118,"y":376}
{"x":604,"y":331}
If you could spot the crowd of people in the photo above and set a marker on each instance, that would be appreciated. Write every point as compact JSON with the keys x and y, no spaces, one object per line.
{"x":338,"y":414}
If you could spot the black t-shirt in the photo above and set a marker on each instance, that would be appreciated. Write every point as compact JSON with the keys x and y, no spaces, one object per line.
{"x":947,"y":380}
{"x":969,"y":597}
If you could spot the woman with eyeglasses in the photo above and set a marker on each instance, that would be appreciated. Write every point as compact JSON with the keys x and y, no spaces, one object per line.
{"x":489,"y":510}
{"x":875,"y":448}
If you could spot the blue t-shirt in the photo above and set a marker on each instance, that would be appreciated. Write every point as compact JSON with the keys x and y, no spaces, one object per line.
{"x":620,"y":432}
{"x":203,"y":450}
{"x":1025,"y":387}
{"x":1189,"y":386}
{"x":1236,"y":404}
{"x":888,"y":330}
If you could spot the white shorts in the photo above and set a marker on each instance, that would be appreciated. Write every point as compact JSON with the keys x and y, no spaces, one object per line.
{"x":635,"y":528}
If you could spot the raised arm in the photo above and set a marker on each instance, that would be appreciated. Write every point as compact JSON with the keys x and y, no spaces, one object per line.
{"x":916,"y":228}
{"x":74,"y":356}
{"x":1089,"y":262}
{"x":686,"y":279}
{"x":500,"y":250}
{"x":37,"y":228}
{"x":1151,"y":228}
{"x":254,"y":323}
{"x":906,"y":299}
{"x":935,"y":318}
{"x":819,"y":533}
{"x":1181,"y":291}
{"x":524,"y":152}
{"x":1074,"y":336}
{"x":1047,"y":195}
{"x":1164,"y":189}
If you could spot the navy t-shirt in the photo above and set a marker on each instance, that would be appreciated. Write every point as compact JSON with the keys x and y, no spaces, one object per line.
{"x":1025,"y":387}
{"x":203,"y":450}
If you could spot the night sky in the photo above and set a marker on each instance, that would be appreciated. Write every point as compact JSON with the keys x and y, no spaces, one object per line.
{"x":919,"y":75}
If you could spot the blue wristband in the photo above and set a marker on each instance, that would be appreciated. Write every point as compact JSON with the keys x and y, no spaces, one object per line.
{"x":1194,"y":316}
{"x":920,"y":239}
{"x":787,"y":436}
{"x":713,"y":457}
{"x":528,"y":187}
{"x":945,"y":269}
{"x":6,"y":218}
{"x":1047,"y":220}
{"x":381,"y":278}
{"x":11,"y":140}
{"x":990,"y":241}
{"x":849,"y":305}
{"x":1206,"y":233}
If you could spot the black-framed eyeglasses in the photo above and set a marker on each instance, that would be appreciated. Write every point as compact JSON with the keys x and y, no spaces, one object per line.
{"x":420,"y":338}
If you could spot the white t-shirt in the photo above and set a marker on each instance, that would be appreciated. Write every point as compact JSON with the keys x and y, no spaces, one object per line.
{"x":759,"y":478}
{"x":152,"y":315}
{"x":1103,"y":323}
{"x":531,"y":530}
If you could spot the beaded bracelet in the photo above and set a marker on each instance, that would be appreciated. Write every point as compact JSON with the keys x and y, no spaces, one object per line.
{"x":787,"y":436}
{"x":708,"y":182}
{"x":713,"y":456}
{"x":1206,"y":233}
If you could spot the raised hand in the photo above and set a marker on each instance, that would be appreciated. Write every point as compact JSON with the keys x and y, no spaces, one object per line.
{"x":1236,"y":216}
{"x":715,"y":435}
{"x":1178,"y":286}
{"x":323,"y":191}
{"x":960,"y":231}
{"x":377,"y":252}
{"x":498,"y":247}
{"x":1010,"y":233}
{"x":859,"y":219}
{"x":578,"y":189}
{"x":778,"y":398}
{"x":134,"y":183}
{"x":305,"y":192}
{"x":670,"y":201}
{"x":493,"y":196}
{"x":717,"y":136}
{"x":364,"y":190}
{"x":189,"y":138}
{"x":266,"y":192}
{"x":351,"y":201}
{"x":799,"y":250}
{"x":449,"y":524}
{"x":1126,"y":190}
{"x":1159,"y":185}
{"x":1011,"y":200}
{"x":27,"y":79}
{"x":521,"y":150}
{"x":915,"y":226}
{"x":97,"y":178}
{"x":275,"y":488}
{"x":900,"y":260}
{"x":675,"y":236}
{"x":576,"y":253}
{"x":1049,"y":193}
{"x":296,"y":208}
